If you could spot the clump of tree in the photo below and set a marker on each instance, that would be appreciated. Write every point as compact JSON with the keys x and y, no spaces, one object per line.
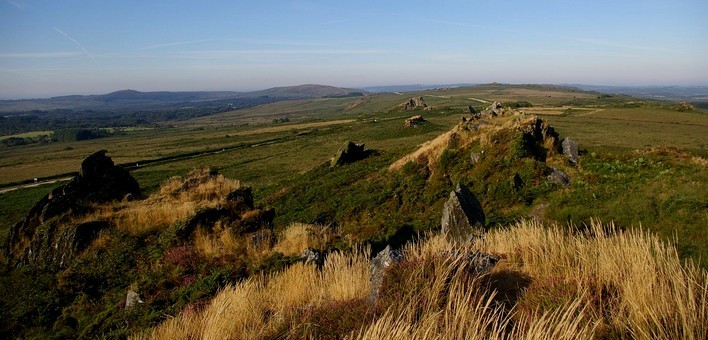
{"x":516,"y":105}
{"x":70,"y":135}
{"x":17,"y":141}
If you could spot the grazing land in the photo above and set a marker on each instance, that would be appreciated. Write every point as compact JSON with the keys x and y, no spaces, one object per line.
{"x":640,"y":189}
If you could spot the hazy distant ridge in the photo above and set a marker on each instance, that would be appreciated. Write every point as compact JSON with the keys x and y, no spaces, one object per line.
{"x":131,"y":99}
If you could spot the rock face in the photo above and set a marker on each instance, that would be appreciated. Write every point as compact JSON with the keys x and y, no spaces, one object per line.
{"x":462,"y":217}
{"x":383,"y":260}
{"x":39,"y":240}
{"x":414,"y":121}
{"x":413,"y":103}
{"x":349,"y":153}
{"x":540,"y":139}
{"x":570,"y":150}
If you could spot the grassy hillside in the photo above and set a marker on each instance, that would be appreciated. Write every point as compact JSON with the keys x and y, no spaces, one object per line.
{"x":642,"y":169}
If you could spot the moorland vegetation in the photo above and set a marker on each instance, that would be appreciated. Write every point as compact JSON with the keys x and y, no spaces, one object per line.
{"x":615,"y":251}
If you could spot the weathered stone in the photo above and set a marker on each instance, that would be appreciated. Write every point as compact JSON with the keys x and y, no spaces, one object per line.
{"x":413,"y":103}
{"x":132,"y":299}
{"x":414,"y":121}
{"x":349,"y":153}
{"x":383,"y":260}
{"x":559,"y":177}
{"x":570,"y":150}
{"x":462,"y":217}
{"x":496,"y":109}
{"x":310,"y":256}
{"x":475,"y":262}
{"x":99,"y":180}
{"x":475,"y":157}
{"x":480,"y":263}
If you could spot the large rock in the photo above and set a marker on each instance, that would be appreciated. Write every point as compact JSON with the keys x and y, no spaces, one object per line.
{"x":40,"y":239}
{"x":383,"y":260}
{"x":349,"y":153}
{"x":462,"y":217}
{"x":570,"y":150}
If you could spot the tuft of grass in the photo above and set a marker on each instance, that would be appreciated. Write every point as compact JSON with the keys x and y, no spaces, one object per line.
{"x":594,"y":283}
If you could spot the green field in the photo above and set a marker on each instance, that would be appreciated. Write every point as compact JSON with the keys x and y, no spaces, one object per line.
{"x":247,"y":145}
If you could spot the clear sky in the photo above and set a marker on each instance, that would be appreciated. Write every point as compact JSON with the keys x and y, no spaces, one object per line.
{"x":58,"y":47}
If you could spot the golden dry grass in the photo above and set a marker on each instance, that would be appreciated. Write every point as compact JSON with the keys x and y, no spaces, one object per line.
{"x":655,"y":295}
{"x":299,"y":236}
{"x":178,"y":199}
{"x":262,"y":307}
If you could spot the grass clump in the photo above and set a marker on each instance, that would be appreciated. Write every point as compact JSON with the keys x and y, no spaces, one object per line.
{"x":602,"y":282}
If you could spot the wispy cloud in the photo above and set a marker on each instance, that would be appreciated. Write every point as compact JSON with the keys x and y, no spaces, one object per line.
{"x":608,"y":43}
{"x":176,"y":43}
{"x":18,"y":4}
{"x":39,"y":54}
{"x":285,"y":52}
{"x":77,"y":44}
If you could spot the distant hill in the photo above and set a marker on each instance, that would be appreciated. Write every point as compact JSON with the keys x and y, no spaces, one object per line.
{"x":685,"y":93}
{"x":136,"y":100}
{"x":411,"y":88}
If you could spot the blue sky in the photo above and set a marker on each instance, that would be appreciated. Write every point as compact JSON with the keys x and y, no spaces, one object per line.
{"x":88,"y":47}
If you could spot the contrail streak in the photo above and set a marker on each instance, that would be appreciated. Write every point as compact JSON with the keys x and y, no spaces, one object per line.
{"x":174,"y":44}
{"x":77,"y":44}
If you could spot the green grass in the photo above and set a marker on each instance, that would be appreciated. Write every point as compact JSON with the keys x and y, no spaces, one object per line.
{"x":27,"y":134}
{"x":666,"y":195}
{"x":615,"y":125}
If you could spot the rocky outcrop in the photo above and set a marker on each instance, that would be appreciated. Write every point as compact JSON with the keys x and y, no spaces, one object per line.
{"x":539,"y":138}
{"x":40,"y":240}
{"x":350,"y":153}
{"x":496,"y":109}
{"x":413,"y":103}
{"x":462,"y":217}
{"x":570,"y":151}
{"x":414,"y":121}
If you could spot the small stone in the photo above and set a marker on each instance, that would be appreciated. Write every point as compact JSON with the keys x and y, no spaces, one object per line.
{"x":559,"y":177}
{"x":131,"y":299}
{"x":310,"y":256}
